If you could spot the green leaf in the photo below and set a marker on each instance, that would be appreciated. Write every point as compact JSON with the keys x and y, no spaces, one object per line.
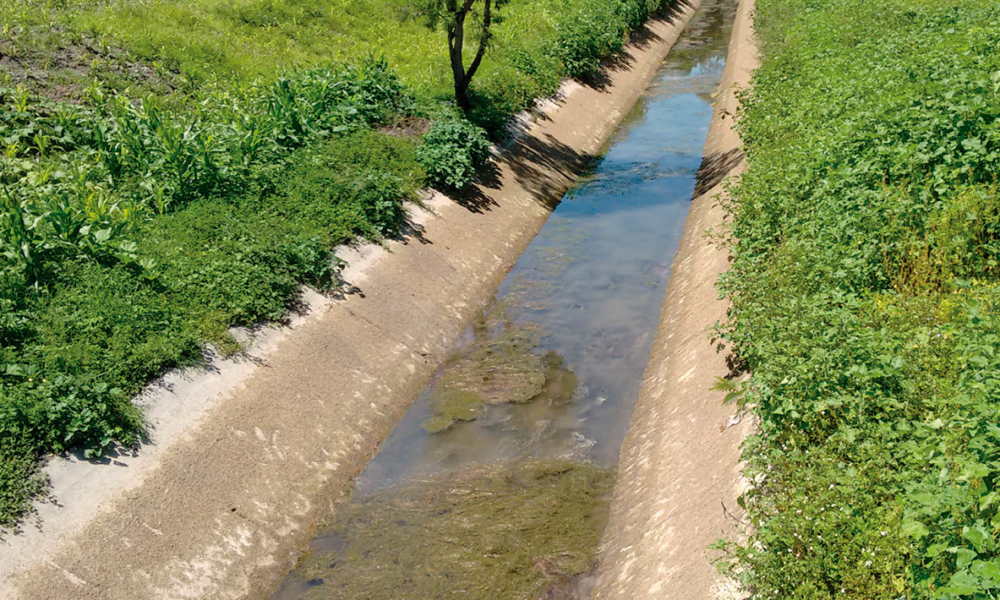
{"x":964,"y":556}
{"x":988,"y":570}
{"x":913,"y":529}
{"x":961,"y":583}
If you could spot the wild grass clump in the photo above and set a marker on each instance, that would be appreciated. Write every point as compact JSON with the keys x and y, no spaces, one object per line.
{"x":865,"y":297}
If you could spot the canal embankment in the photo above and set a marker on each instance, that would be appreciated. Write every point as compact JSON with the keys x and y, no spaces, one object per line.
{"x":679,"y":473}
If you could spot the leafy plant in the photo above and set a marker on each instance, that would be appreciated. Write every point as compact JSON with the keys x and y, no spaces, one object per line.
{"x":452,"y":151}
{"x":864,"y":290}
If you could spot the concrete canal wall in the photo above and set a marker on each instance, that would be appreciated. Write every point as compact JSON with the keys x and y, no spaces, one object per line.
{"x":679,"y":468}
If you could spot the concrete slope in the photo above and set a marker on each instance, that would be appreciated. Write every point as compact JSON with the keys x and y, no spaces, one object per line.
{"x":680,"y":461}
{"x":221,"y":506}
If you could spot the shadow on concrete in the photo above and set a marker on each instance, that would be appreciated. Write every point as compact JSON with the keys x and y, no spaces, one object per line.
{"x":640,"y":39}
{"x":714,"y":169}
{"x":545,"y":166}
{"x":474,"y":197}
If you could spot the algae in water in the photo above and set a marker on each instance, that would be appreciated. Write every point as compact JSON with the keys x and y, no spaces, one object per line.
{"x":514,"y":531}
{"x":498,"y":368}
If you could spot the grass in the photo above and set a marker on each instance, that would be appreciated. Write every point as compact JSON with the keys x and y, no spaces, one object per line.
{"x":172,"y":169}
{"x":864,"y":287}
{"x":226,"y":43}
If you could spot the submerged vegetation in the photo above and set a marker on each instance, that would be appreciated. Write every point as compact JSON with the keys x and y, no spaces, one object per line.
{"x":172,"y":169}
{"x":501,"y":366}
{"x":866,"y":245}
{"x":519,"y":530}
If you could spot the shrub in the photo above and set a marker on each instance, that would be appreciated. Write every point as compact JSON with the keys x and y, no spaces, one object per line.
{"x":589,"y":34}
{"x":452,"y":151}
{"x":364,"y":178}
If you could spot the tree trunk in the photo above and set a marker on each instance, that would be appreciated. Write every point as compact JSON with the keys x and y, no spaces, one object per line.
{"x":456,"y":43}
{"x":462,"y":95}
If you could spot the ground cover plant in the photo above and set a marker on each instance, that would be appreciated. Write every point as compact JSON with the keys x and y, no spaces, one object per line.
{"x":864,"y":288}
{"x":161,"y":184}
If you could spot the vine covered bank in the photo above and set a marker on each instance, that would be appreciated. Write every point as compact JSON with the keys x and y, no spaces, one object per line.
{"x":864,"y":288}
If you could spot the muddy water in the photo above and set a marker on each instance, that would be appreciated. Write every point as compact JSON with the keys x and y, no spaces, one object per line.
{"x":532,"y":407}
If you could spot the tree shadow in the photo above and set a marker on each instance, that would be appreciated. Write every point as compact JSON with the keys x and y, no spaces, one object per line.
{"x":672,"y":12}
{"x":410,"y":230}
{"x":640,"y":39}
{"x":522,"y":122}
{"x":714,"y":168}
{"x":545,"y":166}
{"x":474,"y":197}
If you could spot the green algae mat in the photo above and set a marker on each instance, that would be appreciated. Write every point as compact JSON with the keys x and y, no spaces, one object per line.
{"x":513,"y":531}
{"x":502,"y":366}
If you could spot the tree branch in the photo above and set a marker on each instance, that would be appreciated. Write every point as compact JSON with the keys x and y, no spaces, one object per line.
{"x":456,"y":39}
{"x":483,"y":41}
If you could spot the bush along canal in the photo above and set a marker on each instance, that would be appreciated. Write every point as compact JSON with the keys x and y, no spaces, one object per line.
{"x":496,"y":482}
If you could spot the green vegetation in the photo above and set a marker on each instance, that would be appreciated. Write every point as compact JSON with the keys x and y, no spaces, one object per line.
{"x":866,"y":241}
{"x":172,"y":169}
{"x":501,"y":366}
{"x":597,"y":30}
{"x":522,"y":530}
{"x":452,"y":151}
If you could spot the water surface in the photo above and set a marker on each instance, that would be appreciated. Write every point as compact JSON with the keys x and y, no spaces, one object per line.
{"x":592,"y":281}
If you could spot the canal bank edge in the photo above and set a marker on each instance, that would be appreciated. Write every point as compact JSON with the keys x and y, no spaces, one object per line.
{"x":679,"y":472}
{"x":228,"y":501}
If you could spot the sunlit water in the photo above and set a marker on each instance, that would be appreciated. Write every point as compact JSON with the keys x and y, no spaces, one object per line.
{"x":592,"y":282}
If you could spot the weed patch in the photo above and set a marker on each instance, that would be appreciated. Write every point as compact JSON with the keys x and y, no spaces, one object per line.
{"x":864,"y":301}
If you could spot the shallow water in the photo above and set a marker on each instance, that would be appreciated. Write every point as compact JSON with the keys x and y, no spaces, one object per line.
{"x":587,"y":290}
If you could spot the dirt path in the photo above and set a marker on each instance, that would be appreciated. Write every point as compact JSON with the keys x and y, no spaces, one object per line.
{"x":679,"y":463}
{"x":245,"y":461}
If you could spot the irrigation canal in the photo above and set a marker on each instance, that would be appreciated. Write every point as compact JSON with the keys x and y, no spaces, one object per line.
{"x":495,"y":484}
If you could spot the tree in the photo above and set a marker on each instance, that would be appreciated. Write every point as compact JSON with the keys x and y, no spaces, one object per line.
{"x":453,"y":14}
